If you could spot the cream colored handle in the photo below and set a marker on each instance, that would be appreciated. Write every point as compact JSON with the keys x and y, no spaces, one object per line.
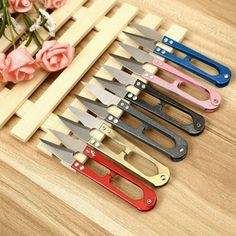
{"x":157,"y":180}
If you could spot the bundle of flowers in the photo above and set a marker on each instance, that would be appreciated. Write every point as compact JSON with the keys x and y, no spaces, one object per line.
{"x":19,"y":65}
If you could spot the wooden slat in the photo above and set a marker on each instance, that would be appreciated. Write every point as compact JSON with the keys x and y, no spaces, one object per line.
{"x":54,"y":123}
{"x":21,"y":92}
{"x":61,"y":86}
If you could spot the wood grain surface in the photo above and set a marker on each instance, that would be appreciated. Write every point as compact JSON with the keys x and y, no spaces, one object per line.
{"x":39,"y":196}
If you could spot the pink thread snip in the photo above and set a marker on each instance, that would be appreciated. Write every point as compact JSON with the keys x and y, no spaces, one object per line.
{"x":208,"y":105}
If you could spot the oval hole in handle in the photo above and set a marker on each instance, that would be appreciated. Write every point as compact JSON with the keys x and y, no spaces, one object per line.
{"x":114,"y":146}
{"x":142,"y":164}
{"x":177,"y":114}
{"x":130,"y":189}
{"x":195,"y":92}
{"x":200,"y":65}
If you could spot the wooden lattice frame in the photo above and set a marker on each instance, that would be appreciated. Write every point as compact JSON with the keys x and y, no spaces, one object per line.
{"x":39,"y":115}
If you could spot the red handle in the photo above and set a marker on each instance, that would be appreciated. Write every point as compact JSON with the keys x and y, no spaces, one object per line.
{"x":149,"y":196}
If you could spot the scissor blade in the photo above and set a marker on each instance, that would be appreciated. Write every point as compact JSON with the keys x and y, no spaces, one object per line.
{"x":71,"y":143}
{"x":77,"y":128}
{"x":137,"y":54}
{"x":97,"y":108}
{"x":142,"y":41}
{"x":115,"y":87}
{"x":121,"y":76}
{"x":104,"y":96}
{"x":132,"y":65}
{"x":149,"y":33}
{"x":64,"y":154}
{"x":87,"y":120}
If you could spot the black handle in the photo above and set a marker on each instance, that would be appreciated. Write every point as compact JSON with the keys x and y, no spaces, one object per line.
{"x":198,"y":122}
{"x":176,"y":153}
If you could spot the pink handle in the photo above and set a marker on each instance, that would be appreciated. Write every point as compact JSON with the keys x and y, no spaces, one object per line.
{"x":146,"y":203}
{"x":209,"y":105}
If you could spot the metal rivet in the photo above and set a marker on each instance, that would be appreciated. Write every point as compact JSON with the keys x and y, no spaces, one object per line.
{"x":130,"y":95}
{"x":146,"y":74}
{"x":135,"y":98}
{"x":198,"y":125}
{"x":171,"y":41}
{"x":115,"y":121}
{"x":158,"y":49}
{"x":76,"y":164}
{"x":92,"y":141}
{"x":127,"y":107}
{"x":226,"y":76}
{"x":181,"y":149}
{"x":151,"y":77}
{"x":81,"y":168}
{"x":122,"y":104}
{"x":110,"y":117}
{"x":163,"y":177}
{"x":97,"y":144}
{"x":138,"y":83}
{"x":163,"y":52}
{"x":88,"y":151}
{"x":103,"y":128}
{"x":143,"y":86}
{"x":161,"y":64}
{"x":149,"y":201}
{"x":165,"y":40}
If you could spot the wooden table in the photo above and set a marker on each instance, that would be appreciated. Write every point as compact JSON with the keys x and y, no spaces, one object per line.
{"x":39,"y":198}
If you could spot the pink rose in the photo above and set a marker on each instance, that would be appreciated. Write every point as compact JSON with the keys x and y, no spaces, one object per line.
{"x":20,"y":5}
{"x":53,"y":4}
{"x":55,"y":56}
{"x":17,"y":66}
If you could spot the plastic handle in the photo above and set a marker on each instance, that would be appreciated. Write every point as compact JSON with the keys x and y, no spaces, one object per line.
{"x":198,"y":122}
{"x":211,"y":104}
{"x":149,"y":196}
{"x":176,"y":153}
{"x":220,"y":80}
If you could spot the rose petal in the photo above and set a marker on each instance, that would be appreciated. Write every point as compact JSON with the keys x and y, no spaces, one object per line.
{"x":55,"y":52}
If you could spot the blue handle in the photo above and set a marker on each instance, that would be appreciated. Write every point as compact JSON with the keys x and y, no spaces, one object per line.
{"x":220,"y":80}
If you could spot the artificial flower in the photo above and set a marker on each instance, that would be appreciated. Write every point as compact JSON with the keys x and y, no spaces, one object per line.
{"x":53,"y":4}
{"x":17,"y":66}
{"x":20,"y":5}
{"x":55,"y":56}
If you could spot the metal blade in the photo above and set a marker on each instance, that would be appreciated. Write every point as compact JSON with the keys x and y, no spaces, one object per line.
{"x":71,"y":143}
{"x":137,"y":54}
{"x":130,"y":64}
{"x":97,"y":108}
{"x":64,"y":154}
{"x":104,"y":96}
{"x":77,"y":129}
{"x":149,"y":33}
{"x":142,"y":41}
{"x":115,"y":87}
{"x":86,"y":119}
{"x":120,"y":75}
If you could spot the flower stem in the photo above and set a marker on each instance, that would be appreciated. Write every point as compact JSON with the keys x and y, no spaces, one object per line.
{"x":34,"y":35}
{"x":8,"y":21}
